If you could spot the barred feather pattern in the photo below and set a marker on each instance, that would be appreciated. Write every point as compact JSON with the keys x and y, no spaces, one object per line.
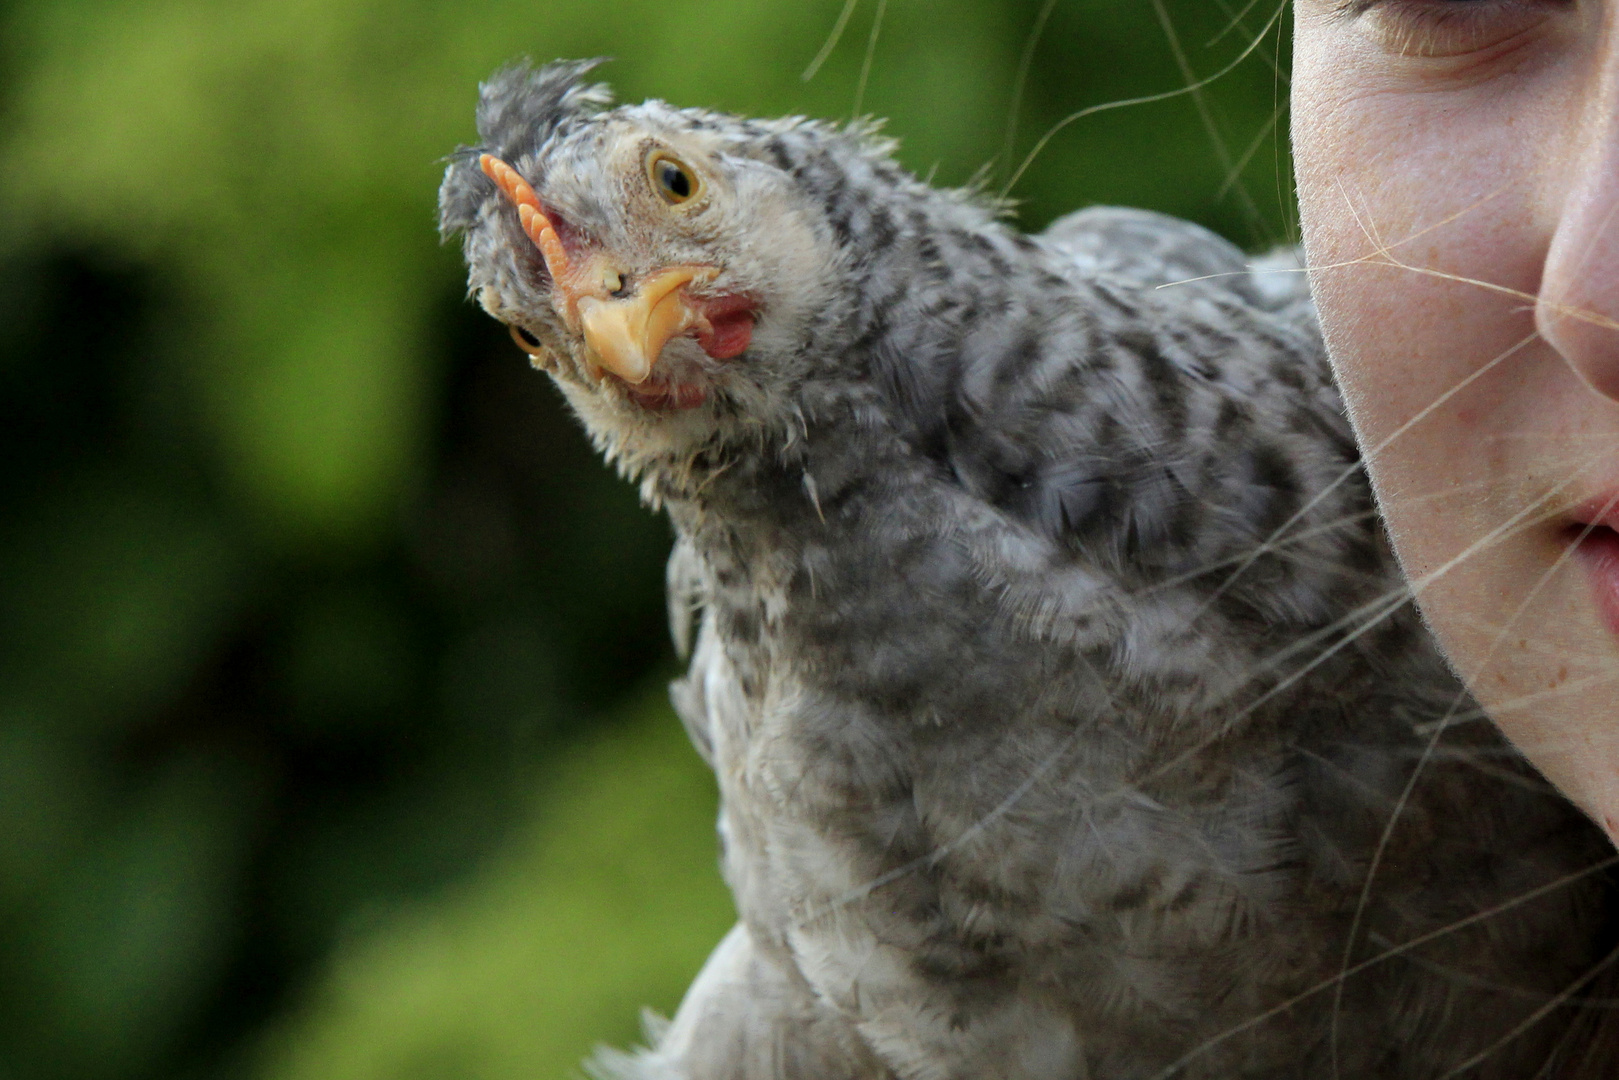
{"x":1057,"y":677}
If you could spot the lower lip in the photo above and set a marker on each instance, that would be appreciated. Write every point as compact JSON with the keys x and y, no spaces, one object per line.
{"x":1599,"y":551}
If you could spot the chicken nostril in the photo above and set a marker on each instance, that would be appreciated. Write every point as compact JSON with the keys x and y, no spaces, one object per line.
{"x":623,"y":288}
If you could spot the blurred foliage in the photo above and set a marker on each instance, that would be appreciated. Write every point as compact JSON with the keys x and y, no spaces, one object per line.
{"x":306,"y":581}
{"x":553,"y":948}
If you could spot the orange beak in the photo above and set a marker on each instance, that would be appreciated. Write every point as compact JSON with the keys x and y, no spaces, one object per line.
{"x":625,"y":335}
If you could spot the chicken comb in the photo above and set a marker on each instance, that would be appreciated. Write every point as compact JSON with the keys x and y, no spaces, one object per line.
{"x":535,"y":223}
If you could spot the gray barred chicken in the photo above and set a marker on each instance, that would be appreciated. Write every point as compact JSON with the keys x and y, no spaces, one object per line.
{"x":1061,"y":689}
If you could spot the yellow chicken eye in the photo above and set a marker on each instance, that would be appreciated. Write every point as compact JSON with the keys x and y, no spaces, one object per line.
{"x":525,"y":340}
{"x":671,"y":178}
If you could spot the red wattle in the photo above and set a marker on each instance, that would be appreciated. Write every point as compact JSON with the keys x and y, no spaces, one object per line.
{"x":730,"y":320}
{"x":729,"y":338}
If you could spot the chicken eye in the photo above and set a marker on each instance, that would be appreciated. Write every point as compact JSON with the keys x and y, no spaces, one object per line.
{"x":671,"y":178}
{"x":525,"y":340}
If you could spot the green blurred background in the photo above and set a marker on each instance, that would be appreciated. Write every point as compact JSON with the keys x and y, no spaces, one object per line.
{"x":332,"y":735}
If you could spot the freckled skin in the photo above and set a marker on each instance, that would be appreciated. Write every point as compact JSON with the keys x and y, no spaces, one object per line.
{"x":1053,"y":667}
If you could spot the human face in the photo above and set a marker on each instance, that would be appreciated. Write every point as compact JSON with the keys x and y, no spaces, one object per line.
{"x":1458,"y":168}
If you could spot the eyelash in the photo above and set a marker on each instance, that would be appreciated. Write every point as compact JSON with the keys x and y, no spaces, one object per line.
{"x":1425,"y":9}
{"x":1447,"y":27}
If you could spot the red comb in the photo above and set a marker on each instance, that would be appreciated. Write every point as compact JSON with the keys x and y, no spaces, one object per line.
{"x":529,"y":212}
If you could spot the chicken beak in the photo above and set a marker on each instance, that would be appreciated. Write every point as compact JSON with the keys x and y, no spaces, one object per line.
{"x":626,"y":335}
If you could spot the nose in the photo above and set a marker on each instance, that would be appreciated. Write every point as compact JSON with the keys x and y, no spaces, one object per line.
{"x":1577,"y":310}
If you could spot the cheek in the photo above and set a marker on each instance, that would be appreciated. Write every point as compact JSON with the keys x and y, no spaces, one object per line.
{"x":1423,"y":227}
{"x":1433,"y":371}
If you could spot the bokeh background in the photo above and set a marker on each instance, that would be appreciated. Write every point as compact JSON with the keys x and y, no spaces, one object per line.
{"x":333,"y":741}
